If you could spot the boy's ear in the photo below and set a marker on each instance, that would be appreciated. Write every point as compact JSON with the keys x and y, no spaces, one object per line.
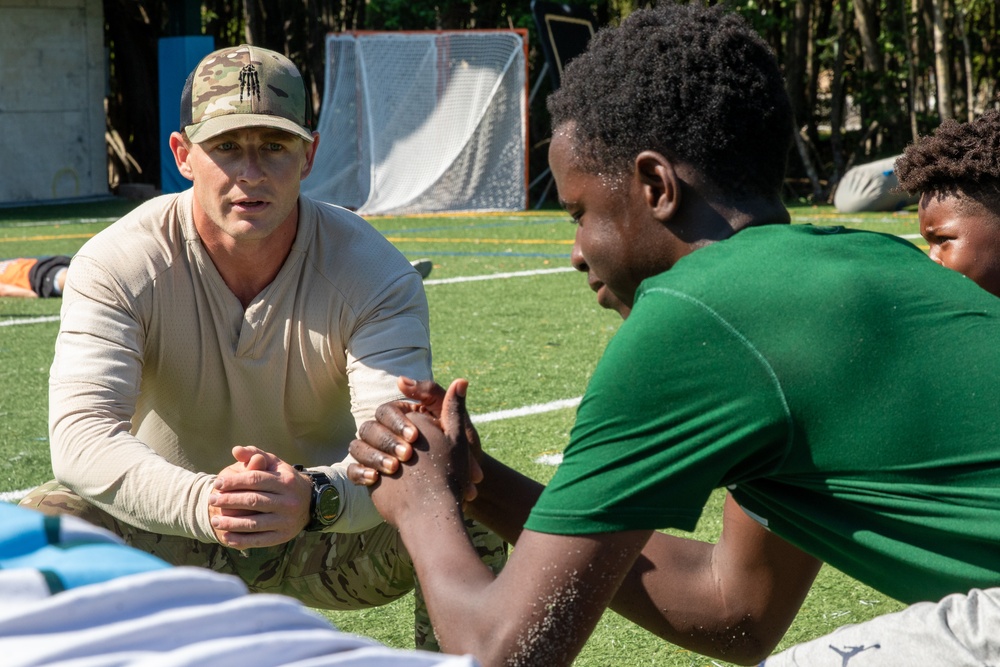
{"x":661,"y":188}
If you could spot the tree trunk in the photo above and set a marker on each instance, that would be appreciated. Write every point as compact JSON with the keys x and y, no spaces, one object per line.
{"x":797,"y":49}
{"x":942,"y":62}
{"x":909,"y":36}
{"x":838,"y":98}
{"x":803,"y":149}
{"x":821,"y":33}
{"x":873,"y":101}
{"x":866,"y":15}
{"x":970,"y":95}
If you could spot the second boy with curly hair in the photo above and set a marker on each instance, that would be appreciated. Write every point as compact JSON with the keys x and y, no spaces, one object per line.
{"x":957,"y":173}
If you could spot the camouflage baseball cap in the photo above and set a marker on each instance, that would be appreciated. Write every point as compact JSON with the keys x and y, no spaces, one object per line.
{"x":243,"y":86}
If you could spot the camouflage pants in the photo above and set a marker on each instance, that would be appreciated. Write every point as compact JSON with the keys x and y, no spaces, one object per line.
{"x":323,"y":570}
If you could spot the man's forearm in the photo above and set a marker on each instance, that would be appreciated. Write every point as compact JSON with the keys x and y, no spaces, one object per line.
{"x":454,"y":581}
{"x":505,"y":499}
{"x":136,"y":486}
{"x":733,"y":599}
{"x":504,"y":502}
{"x":358,"y":513}
{"x":674,"y":589}
{"x":670,"y":590}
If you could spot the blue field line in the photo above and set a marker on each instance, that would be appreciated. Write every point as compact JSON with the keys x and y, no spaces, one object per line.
{"x":55,"y":223}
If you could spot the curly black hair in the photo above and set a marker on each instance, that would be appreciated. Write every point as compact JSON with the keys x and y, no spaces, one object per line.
{"x":959,"y":159}
{"x":694,"y":83}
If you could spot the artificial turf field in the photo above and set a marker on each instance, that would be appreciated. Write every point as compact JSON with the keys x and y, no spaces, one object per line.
{"x":506,"y":313}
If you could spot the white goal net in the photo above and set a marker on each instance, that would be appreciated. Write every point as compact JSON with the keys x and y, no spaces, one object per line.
{"x":423,"y":122}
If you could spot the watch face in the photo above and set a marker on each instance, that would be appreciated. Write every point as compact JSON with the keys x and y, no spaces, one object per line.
{"x":327,"y":505}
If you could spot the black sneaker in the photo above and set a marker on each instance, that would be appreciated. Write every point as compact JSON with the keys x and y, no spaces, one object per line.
{"x":423,"y":266}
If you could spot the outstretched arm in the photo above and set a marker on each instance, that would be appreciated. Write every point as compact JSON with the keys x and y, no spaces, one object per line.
{"x":543,"y":605}
{"x":15,"y":291}
{"x":733,"y":599}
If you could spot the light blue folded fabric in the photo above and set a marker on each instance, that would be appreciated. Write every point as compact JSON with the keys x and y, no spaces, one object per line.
{"x":67,"y":551}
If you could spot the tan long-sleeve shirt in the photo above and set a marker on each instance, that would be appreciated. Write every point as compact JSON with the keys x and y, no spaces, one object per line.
{"x":159,"y":371}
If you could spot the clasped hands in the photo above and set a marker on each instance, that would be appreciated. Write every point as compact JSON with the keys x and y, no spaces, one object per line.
{"x":258,"y":501}
{"x":418,"y":453}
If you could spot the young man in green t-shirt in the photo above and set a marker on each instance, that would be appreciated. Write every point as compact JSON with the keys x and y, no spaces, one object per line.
{"x":786,"y":364}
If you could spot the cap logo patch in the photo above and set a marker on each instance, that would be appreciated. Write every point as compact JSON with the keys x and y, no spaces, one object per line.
{"x":249,"y":82}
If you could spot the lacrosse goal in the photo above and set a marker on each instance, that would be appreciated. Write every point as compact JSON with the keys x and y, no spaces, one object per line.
{"x":423,"y":122}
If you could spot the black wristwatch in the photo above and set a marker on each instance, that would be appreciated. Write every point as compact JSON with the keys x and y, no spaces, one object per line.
{"x":324,"y":508}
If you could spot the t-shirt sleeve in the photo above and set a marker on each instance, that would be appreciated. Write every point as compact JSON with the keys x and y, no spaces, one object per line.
{"x":680,"y":403}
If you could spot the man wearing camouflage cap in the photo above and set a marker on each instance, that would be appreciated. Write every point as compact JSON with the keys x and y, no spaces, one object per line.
{"x":220,"y":346}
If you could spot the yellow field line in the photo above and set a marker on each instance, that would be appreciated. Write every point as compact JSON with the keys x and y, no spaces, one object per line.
{"x":394,"y":239}
{"x":49,"y":237}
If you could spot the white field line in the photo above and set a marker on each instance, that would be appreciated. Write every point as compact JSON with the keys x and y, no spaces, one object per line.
{"x":488,"y":417}
{"x":14,"y":496}
{"x":551,"y":458}
{"x":442,"y":281}
{"x":29,"y":320}
{"x":526,"y":410}
{"x":496,"y":276}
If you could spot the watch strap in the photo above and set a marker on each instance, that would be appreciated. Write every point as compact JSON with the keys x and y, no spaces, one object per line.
{"x":319,"y":480}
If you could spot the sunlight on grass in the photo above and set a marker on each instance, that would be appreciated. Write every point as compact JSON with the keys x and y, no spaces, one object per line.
{"x":520,"y":341}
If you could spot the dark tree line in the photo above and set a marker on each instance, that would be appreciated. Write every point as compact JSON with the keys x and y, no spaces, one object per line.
{"x":865,"y":76}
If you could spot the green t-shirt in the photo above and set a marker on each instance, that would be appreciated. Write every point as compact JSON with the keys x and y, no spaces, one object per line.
{"x":843,"y":386}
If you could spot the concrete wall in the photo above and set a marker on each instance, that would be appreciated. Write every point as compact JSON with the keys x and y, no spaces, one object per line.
{"x":52,"y":87}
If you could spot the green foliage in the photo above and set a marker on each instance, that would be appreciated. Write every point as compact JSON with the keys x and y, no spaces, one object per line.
{"x":768,"y":17}
{"x":401,"y":14}
{"x":880,"y":100}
